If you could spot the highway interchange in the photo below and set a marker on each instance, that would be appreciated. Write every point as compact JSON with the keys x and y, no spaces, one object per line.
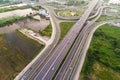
{"x":66,"y":60}
{"x":75,"y":51}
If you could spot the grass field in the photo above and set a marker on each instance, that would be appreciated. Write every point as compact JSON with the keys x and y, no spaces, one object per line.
{"x":4,"y":2}
{"x":77,"y":3}
{"x":13,"y":8}
{"x":65,"y":27}
{"x":105,"y":18}
{"x":103,"y":57}
{"x":36,"y":8}
{"x":70,"y":13}
{"x":9,"y":20}
{"x":47,"y":31}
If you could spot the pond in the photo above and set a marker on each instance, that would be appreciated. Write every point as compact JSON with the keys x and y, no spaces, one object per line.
{"x":16,"y":51}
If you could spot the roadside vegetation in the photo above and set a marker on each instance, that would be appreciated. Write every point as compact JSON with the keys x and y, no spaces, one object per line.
{"x":9,"y":2}
{"x":4,"y":1}
{"x":105,"y":18}
{"x":57,"y":10}
{"x":65,"y":27}
{"x":103,"y":57}
{"x":9,"y":20}
{"x":76,"y":3}
{"x":37,"y":8}
{"x":53,"y":3}
{"x":47,"y":31}
{"x":13,"y":8}
{"x":70,"y":13}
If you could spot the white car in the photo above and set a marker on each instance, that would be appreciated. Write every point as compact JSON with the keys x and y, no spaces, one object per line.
{"x":53,"y":68}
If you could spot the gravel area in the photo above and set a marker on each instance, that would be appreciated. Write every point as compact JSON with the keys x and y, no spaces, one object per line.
{"x":23,"y":12}
{"x":38,"y":25}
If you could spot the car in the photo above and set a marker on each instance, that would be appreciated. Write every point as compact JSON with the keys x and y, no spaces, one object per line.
{"x":53,"y":68}
{"x":70,"y":68}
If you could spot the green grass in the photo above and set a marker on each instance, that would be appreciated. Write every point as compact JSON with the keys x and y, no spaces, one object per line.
{"x":76,"y":3}
{"x":9,"y":20}
{"x":68,"y":13}
{"x":65,"y":27}
{"x":3,"y":2}
{"x":103,"y":57}
{"x":57,"y":10}
{"x":13,"y":8}
{"x":37,"y":8}
{"x":47,"y":31}
{"x":104,"y":18}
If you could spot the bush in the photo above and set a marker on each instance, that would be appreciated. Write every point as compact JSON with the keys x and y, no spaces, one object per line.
{"x":105,"y":51}
{"x":13,"y":8}
{"x":47,"y":31}
{"x":9,"y":20}
{"x":37,"y":8}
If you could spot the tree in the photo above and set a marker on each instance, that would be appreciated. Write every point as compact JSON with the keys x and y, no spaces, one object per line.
{"x":117,"y":51}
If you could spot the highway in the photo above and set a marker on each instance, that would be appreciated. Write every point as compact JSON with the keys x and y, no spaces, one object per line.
{"x":78,"y":58}
{"x":83,"y":50}
{"x":74,"y":53}
{"x":41,"y":71}
{"x":53,"y":63}
{"x":90,"y":32}
{"x":44,"y":68}
{"x":96,"y":14}
{"x":39,"y":61}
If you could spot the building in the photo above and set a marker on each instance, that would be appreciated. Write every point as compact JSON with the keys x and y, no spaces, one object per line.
{"x":44,"y":14}
{"x":114,"y":2}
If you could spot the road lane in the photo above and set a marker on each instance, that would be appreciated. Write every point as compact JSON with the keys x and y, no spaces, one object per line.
{"x":76,"y":28}
{"x":71,"y":55}
{"x":80,"y":49}
{"x":80,"y":23}
{"x":30,"y":69}
{"x":68,"y":63}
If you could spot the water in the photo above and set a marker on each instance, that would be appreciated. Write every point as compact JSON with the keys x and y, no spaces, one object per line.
{"x":16,"y":51}
{"x":26,"y":46}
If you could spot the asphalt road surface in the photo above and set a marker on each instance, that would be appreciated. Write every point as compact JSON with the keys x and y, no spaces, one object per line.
{"x":53,"y":63}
